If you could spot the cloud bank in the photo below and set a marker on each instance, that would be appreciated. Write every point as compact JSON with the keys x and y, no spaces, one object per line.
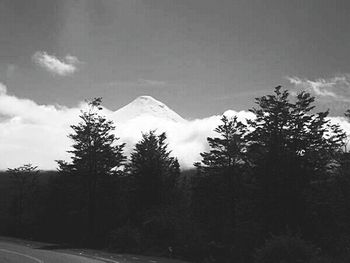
{"x":62,"y":67}
{"x":37,"y":134}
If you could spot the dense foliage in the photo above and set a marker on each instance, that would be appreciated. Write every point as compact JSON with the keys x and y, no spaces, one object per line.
{"x":95,"y":157}
{"x":274,"y":188}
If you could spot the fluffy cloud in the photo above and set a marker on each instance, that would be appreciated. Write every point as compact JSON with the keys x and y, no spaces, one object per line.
{"x":37,"y":134}
{"x":336,"y":88}
{"x":32,"y":133}
{"x":64,"y":67}
{"x":186,"y":139}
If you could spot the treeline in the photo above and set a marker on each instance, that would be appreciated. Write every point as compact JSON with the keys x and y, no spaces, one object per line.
{"x":275,"y":188}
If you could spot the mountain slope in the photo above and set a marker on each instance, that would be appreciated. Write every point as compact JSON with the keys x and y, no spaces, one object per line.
{"x":146,"y":106}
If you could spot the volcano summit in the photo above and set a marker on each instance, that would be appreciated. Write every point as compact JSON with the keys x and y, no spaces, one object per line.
{"x":146,"y":106}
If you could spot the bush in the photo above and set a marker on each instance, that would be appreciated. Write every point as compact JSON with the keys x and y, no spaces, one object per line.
{"x":286,"y":249}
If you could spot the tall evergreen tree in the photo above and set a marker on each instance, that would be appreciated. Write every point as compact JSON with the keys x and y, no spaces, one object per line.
{"x":155,"y":174}
{"x":216,"y":188}
{"x":290,"y":146}
{"x":95,"y":154}
{"x":154,"y":170}
{"x":227,"y":150}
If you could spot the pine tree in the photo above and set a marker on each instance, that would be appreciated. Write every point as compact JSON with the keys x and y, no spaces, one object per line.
{"x":95,"y":154}
{"x":154,"y":170}
{"x":290,"y":146}
{"x":226,"y":151}
{"x":155,"y":174}
{"x":217,"y":186}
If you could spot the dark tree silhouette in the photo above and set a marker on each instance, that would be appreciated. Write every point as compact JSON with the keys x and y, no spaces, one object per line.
{"x":289,"y":147}
{"x":95,"y":154}
{"x":25,"y":179}
{"x":226,"y":151}
{"x":217,"y":185}
{"x":155,"y":175}
{"x":154,"y":170}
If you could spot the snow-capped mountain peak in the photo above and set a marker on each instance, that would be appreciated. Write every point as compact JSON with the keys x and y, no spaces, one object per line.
{"x":146,"y":105}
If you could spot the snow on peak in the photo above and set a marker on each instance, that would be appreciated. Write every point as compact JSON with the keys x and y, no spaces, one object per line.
{"x":147,"y":101}
{"x":149,"y":106}
{"x":147,"y":98}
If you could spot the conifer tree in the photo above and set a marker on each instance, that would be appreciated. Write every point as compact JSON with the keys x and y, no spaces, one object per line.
{"x":289,"y":147}
{"x":217,"y":186}
{"x":154,"y":170}
{"x":227,"y":150}
{"x":95,"y":154}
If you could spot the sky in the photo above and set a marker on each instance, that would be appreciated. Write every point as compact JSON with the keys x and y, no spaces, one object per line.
{"x":199,"y":57}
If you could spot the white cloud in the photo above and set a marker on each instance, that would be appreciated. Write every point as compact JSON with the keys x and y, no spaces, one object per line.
{"x":32,"y":133}
{"x":72,"y":60}
{"x":64,"y":67}
{"x":335,"y":88}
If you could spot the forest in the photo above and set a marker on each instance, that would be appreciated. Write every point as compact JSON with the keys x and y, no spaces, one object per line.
{"x":275,"y":188}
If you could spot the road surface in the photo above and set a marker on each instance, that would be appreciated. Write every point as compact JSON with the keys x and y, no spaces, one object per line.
{"x":26,"y":252}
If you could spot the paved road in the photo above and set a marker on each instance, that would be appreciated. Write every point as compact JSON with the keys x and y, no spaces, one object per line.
{"x":15,"y":253}
{"x":25,"y":252}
